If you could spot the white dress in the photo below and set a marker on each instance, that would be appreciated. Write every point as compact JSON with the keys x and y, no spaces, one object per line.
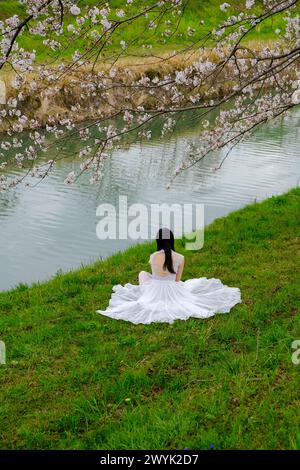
{"x":159,"y":298}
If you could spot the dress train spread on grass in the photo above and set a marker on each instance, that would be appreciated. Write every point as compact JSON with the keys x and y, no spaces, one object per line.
{"x":160,"y":298}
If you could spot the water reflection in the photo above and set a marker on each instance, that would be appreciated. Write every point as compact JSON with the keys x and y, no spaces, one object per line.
{"x":51,"y":227}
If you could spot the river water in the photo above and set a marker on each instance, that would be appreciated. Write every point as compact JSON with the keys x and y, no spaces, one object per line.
{"x":51,"y":227}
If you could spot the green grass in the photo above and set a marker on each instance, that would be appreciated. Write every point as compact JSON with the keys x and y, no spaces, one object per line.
{"x":195,"y":11}
{"x":227,"y":381}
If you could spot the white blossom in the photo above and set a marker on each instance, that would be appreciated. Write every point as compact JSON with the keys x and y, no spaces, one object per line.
{"x":106,"y":24}
{"x":120,"y":13}
{"x":2,"y":92}
{"x":296,"y":97}
{"x":250,"y":4}
{"x":75,"y":10}
{"x":70,"y":178}
{"x":224,"y":6}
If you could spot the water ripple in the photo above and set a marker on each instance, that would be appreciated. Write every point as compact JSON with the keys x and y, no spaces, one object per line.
{"x":51,"y":226}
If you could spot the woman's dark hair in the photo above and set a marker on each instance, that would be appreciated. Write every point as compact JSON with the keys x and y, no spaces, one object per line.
{"x":165,"y":241}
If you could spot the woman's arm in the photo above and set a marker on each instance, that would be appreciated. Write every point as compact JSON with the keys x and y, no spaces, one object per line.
{"x":179,"y":271}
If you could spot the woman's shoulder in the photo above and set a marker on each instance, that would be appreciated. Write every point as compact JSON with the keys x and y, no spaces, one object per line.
{"x":177,"y":255}
{"x":155,"y":253}
{"x":178,"y":259}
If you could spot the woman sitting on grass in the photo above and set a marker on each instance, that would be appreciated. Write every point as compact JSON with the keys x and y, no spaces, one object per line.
{"x":162,"y":296}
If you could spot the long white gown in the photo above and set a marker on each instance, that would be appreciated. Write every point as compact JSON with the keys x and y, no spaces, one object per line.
{"x":159,"y":298}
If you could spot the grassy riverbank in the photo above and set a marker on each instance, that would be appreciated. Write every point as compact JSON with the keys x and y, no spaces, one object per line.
{"x":74,"y":379}
{"x":149,"y":53}
{"x":201,"y":16}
